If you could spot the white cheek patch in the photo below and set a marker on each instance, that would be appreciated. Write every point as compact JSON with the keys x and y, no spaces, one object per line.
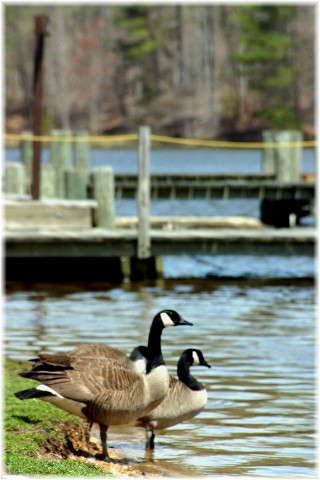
{"x":140,"y":366}
{"x":45,"y":388}
{"x":195,"y":357}
{"x":166,"y":320}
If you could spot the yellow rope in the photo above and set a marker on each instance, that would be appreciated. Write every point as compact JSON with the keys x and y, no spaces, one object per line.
{"x":225,"y":144}
{"x":156,"y":138}
{"x":66,"y":138}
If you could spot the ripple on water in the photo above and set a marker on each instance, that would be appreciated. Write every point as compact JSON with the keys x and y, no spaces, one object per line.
{"x":260,"y":342}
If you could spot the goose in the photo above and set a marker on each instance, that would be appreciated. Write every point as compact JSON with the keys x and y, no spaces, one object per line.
{"x":185,"y":398}
{"x":100,"y":390}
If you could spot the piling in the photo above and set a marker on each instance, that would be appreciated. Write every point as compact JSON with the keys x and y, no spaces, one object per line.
{"x":144,"y":245}
{"x":81,"y":150}
{"x":76,"y":179}
{"x":76,"y":184}
{"x":268,"y":154}
{"x":288,"y":159}
{"x":144,"y":265}
{"x":14,"y":178}
{"x":103,"y":193}
{"x":61,"y":155}
{"x":47,"y":183}
{"x":283,"y":160}
{"x":26,"y":154}
{"x":41,"y":30}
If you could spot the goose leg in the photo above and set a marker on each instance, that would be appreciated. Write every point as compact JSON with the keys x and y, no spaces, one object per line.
{"x":103,"y":437}
{"x":150,"y":440}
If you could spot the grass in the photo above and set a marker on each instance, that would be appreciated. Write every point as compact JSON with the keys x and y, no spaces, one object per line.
{"x":31,"y":427}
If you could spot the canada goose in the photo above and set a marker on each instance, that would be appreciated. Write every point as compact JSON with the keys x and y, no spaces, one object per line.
{"x":185,"y":398}
{"x":103,"y":391}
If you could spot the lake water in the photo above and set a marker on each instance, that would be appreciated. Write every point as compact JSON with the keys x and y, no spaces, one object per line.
{"x":167,"y":160}
{"x":254,"y":319}
{"x":259,"y":338}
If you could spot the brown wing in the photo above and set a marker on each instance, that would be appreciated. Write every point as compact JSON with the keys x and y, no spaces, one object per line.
{"x":84,"y":379}
{"x":52,"y":360}
{"x":96,"y":350}
{"x":83,"y":352}
{"x":81,"y":357}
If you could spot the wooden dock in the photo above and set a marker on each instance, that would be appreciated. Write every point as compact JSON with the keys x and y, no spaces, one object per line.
{"x":111,"y":254}
{"x":212,"y":186}
{"x":58,"y":240}
{"x":82,"y":239}
{"x":118,"y":242}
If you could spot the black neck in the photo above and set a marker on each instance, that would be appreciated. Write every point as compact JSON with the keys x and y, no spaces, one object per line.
{"x":154,"y":346}
{"x":186,"y":377}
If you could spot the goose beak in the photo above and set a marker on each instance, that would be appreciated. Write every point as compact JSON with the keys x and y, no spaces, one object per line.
{"x":207,"y":365}
{"x":184,"y":322}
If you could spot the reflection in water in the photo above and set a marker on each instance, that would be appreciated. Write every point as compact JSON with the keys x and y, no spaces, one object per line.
{"x":259,"y":339}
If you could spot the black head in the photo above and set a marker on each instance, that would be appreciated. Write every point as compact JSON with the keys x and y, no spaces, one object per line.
{"x":194,"y":357}
{"x":139,"y":353}
{"x":171,"y":318}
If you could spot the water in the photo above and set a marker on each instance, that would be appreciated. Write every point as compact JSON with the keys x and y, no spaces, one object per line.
{"x":254,"y":319}
{"x":259,"y":339}
{"x":201,"y":160}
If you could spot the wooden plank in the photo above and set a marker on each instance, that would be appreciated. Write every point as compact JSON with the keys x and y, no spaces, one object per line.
{"x":175,"y":222}
{"x":199,"y":177}
{"x":122,"y":242}
{"x":49,"y":214}
{"x":208,"y":188}
{"x":266,"y":241}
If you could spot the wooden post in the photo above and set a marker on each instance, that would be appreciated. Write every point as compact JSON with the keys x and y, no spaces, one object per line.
{"x":143,"y":266}
{"x":77,"y":178}
{"x":26,"y":157}
{"x":144,"y":245}
{"x":288,"y":159}
{"x":76,"y":184}
{"x":47,"y":184}
{"x":41,"y":24}
{"x":103,"y":193}
{"x":81,"y":151}
{"x":296,"y":155}
{"x":14,"y":178}
{"x":282,"y":160}
{"x":268,"y":154}
{"x":61,"y":154}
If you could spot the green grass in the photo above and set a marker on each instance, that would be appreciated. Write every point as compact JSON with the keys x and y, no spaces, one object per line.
{"x":20,"y":464}
{"x":31,"y":424}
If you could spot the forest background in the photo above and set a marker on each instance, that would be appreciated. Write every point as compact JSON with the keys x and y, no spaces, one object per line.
{"x":197,"y":71}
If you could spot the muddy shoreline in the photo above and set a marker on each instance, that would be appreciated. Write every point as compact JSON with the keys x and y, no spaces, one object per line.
{"x":77,"y":446}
